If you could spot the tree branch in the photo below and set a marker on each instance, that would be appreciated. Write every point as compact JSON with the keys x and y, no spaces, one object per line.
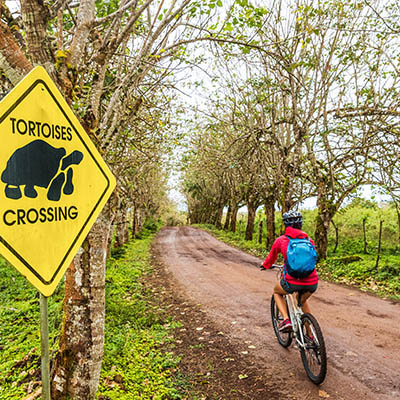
{"x":12,"y":60}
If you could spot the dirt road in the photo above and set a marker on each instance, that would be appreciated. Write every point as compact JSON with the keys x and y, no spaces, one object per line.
{"x":361,"y":331}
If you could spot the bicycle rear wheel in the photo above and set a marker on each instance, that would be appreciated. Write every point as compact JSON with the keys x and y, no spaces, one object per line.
{"x":284,"y":338}
{"x":314,"y":354}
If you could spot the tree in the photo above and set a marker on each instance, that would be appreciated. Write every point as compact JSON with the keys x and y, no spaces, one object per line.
{"x":325,"y":68}
{"x":100,"y":55}
{"x":318,"y":111}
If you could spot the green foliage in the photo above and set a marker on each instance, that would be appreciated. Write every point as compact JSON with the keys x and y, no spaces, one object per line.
{"x":150,"y":226}
{"x":135,"y":365}
{"x":20,"y":331}
{"x":350,"y":223}
{"x":362,"y":273}
{"x":118,"y":252}
{"x":106,"y":7}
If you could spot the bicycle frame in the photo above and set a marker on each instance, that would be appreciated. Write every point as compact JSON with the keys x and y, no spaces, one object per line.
{"x":295,"y":312}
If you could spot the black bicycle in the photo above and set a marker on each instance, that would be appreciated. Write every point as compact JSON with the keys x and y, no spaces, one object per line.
{"x":306,"y":332}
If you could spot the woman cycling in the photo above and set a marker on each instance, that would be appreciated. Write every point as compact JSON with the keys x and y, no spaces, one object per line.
{"x":293,"y":221}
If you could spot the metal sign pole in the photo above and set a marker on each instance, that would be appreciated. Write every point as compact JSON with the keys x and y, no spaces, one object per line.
{"x":44,"y":337}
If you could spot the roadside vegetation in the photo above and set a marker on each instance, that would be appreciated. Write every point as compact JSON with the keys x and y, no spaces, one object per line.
{"x":138,"y":332}
{"x":353,"y":248}
{"x":20,"y":332}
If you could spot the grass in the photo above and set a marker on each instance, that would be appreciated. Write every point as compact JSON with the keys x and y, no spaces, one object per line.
{"x":137,"y":363}
{"x":20,"y":331}
{"x":384,"y":281}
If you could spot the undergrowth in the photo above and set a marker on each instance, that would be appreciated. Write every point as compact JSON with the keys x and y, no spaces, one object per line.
{"x":20,"y":332}
{"x":136,"y":365}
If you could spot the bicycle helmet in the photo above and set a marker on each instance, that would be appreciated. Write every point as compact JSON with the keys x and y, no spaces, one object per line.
{"x":293,"y":219}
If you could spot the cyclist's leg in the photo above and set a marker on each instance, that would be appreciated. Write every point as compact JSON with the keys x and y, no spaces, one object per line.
{"x":279,"y":292}
{"x":305,"y":307}
{"x":306,"y":292}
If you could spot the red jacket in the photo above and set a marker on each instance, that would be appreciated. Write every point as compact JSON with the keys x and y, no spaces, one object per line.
{"x":280,"y":246}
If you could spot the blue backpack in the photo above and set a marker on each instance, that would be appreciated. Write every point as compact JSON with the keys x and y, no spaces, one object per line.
{"x":301,"y":257}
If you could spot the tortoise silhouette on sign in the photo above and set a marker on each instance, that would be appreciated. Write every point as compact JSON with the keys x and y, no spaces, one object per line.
{"x":40,"y":164}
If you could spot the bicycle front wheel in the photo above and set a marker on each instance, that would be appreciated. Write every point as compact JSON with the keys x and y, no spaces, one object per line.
{"x":284,"y":338}
{"x":313,"y":354}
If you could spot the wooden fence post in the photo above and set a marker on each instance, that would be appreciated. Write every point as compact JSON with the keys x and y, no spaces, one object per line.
{"x":365,"y":235}
{"x":379,"y":246}
{"x":260,"y":231}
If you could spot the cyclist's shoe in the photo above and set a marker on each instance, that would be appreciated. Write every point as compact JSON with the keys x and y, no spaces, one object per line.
{"x":285,"y":326}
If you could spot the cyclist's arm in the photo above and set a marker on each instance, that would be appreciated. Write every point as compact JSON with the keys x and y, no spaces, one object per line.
{"x":273,"y":255}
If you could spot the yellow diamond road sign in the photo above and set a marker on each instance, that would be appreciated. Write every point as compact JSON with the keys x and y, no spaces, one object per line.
{"x":53,"y":181}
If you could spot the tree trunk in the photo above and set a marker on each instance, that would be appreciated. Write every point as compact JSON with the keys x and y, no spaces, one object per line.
{"x":110,"y":238}
{"x":218,"y":217}
{"x":134,"y":223}
{"x":76,"y":372}
{"x":251,"y":216}
{"x":398,"y":221}
{"x":326,"y":211}
{"x":286,"y":196}
{"x":321,"y":235}
{"x":228,"y":217}
{"x":211,"y":215}
{"x":270,"y":222}
{"x":122,"y":232}
{"x":235,"y":210}
{"x":398,"y":224}
{"x":139,"y":220}
{"x":336,"y":236}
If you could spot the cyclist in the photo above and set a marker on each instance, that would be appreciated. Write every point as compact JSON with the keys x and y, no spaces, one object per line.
{"x":293,"y":221}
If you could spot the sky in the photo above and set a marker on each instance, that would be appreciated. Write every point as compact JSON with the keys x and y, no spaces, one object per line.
{"x":12,"y":5}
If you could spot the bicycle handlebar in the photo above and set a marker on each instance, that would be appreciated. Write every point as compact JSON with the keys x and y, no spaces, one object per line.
{"x":274,"y":266}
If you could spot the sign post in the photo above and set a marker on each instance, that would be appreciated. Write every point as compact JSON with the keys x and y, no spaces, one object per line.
{"x":44,"y":345}
{"x":53,"y":185}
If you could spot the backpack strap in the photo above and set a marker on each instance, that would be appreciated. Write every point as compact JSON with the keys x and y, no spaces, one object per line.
{"x":284,"y":273}
{"x":284,"y":264}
